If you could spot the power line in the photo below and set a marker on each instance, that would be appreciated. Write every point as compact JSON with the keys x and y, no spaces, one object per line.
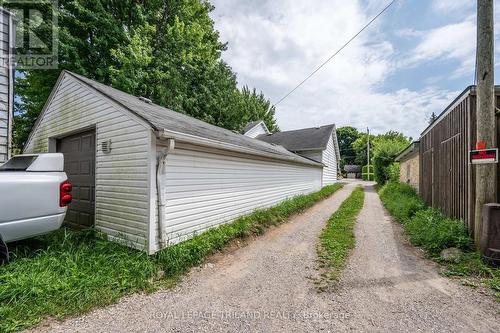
{"x":336,"y":52}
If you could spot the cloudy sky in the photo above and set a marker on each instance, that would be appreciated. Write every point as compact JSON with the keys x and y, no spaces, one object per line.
{"x":411,"y":62}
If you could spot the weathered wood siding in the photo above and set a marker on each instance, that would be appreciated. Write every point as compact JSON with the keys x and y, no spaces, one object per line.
{"x":207,"y":187}
{"x":445,"y":166}
{"x":122,"y":176}
{"x":329,"y":159}
{"x":256,"y":131}
{"x":447,"y":179}
{"x":6,"y":85}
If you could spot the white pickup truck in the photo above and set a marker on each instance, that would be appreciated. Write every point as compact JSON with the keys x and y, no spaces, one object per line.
{"x":34,"y":195}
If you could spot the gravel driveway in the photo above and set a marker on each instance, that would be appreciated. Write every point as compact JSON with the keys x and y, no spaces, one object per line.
{"x":268,"y":286}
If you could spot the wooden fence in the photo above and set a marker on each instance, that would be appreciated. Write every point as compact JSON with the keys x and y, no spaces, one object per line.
{"x":447,"y":180}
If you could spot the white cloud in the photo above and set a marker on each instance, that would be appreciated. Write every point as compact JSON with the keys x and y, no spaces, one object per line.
{"x":274,"y":44}
{"x":409,"y":33}
{"x":455,"y":41}
{"x":452,"y":5}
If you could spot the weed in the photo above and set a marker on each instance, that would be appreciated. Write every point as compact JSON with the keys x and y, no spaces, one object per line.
{"x":434,"y":232}
{"x":431,"y":230}
{"x":401,"y":200}
{"x":337,"y":240}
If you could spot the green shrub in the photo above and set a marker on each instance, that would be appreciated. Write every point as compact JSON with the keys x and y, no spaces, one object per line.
{"x":431,"y":230}
{"x":427,"y":228}
{"x":401,"y":200}
{"x":367,"y":173}
{"x":384,"y":152}
{"x":367,"y":169}
{"x":368,"y":177}
{"x":434,"y":232}
{"x":393,"y":172}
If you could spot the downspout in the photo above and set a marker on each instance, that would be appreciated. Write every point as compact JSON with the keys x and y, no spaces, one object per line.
{"x":160,"y":171}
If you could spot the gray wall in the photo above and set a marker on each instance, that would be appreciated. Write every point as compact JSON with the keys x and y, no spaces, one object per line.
{"x":6,"y":86}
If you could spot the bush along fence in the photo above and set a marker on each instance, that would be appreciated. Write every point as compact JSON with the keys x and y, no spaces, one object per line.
{"x":367,"y":173}
{"x":445,"y":240}
{"x":67,"y":272}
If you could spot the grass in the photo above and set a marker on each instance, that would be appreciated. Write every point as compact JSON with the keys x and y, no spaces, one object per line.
{"x":337,"y":240}
{"x":434,"y":232}
{"x":401,"y":200}
{"x":67,"y":272}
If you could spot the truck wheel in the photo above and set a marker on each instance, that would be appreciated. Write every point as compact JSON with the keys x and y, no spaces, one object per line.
{"x":4,"y":252}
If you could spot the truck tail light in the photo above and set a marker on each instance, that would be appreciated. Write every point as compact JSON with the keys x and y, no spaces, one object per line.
{"x":65,"y":193}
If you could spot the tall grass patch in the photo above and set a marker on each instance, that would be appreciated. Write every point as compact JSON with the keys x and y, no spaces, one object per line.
{"x":401,"y":200}
{"x":69,"y":272}
{"x":433,"y":231}
{"x":337,"y":240}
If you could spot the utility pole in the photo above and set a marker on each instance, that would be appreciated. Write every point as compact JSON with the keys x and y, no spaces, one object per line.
{"x":486,"y":123}
{"x":368,"y":152}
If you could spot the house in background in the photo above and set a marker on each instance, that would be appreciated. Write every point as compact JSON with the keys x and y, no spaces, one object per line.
{"x":353,"y":171}
{"x":255,"y":128}
{"x":409,"y":161}
{"x":318,"y":144}
{"x":7,"y":33}
{"x":154,"y":177}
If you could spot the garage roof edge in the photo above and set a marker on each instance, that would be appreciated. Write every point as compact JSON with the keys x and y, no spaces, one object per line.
{"x":160,"y":118}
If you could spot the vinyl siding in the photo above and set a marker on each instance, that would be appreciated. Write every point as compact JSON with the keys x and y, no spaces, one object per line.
{"x":256,"y":131}
{"x":207,"y":187}
{"x":329,"y":159}
{"x":122,"y":208}
{"x":6,"y":78}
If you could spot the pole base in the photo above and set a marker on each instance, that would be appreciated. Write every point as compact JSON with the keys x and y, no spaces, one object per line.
{"x":492,"y":258}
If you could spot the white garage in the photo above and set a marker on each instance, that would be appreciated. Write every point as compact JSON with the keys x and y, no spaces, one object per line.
{"x":119,"y":149}
{"x":7,"y":40}
{"x":316,"y":143}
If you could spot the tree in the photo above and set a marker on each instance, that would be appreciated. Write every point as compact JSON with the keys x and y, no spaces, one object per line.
{"x":345,"y":137}
{"x":432,"y":118}
{"x":360,"y":148}
{"x":168,"y":51}
{"x":386,"y":147}
{"x":257,"y":107}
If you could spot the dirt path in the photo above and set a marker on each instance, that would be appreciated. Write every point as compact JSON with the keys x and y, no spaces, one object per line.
{"x":387,"y":286}
{"x":268,"y":286}
{"x":256,"y":288}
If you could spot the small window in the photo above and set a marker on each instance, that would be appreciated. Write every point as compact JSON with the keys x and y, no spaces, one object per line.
{"x":18,"y":163}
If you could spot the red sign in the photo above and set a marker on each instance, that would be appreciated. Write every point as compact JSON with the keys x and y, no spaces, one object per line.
{"x":484,"y":156}
{"x":480,"y":145}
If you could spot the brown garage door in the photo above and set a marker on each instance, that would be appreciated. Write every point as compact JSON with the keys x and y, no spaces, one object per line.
{"x":79,"y":165}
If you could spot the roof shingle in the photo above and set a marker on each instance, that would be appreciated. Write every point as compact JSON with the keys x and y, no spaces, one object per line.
{"x":161,"y":118}
{"x":302,"y":139}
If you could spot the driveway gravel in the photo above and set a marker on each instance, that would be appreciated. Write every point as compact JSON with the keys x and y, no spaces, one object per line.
{"x":268,"y":286}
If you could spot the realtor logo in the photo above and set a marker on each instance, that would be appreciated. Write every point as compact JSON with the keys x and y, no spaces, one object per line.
{"x":484,"y":156}
{"x":34,"y":42}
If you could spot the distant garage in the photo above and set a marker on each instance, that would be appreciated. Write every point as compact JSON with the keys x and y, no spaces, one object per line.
{"x":153,"y":177}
